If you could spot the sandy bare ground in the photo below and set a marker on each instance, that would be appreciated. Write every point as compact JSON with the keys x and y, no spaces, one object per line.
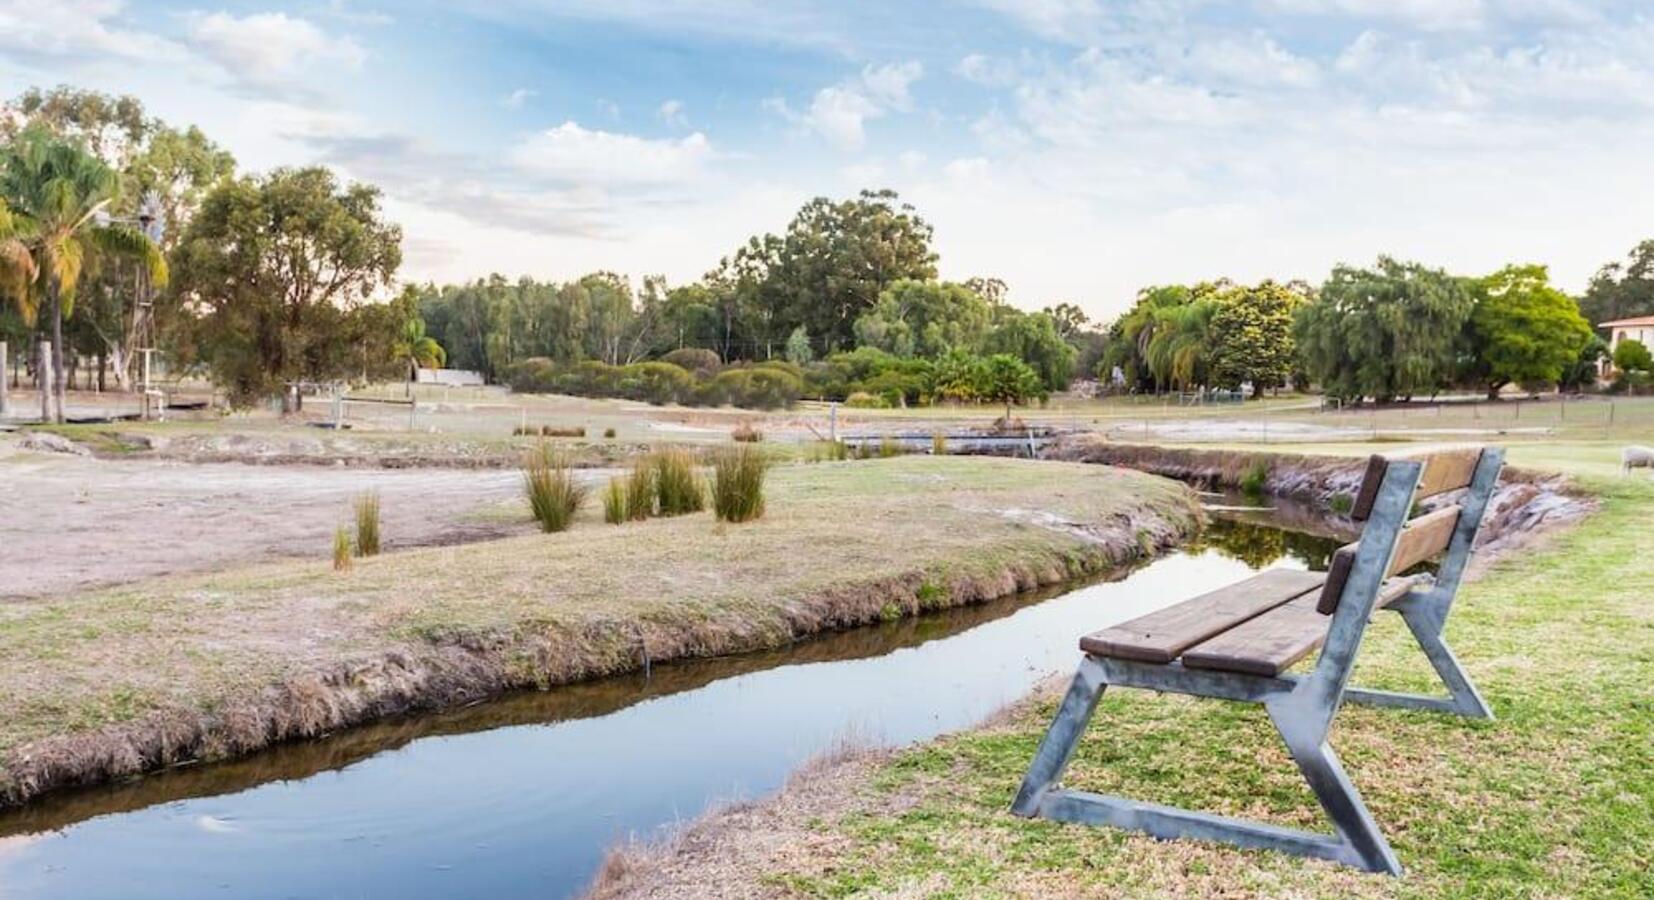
{"x":68,"y":523}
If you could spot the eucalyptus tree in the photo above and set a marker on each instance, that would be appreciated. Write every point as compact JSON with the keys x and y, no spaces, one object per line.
{"x":58,"y":194}
{"x":276,"y":264}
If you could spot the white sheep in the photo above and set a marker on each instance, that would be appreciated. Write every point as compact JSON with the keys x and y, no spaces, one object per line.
{"x":1636,"y":458}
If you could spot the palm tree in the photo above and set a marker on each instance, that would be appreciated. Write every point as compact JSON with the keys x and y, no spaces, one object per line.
{"x":418,"y":350}
{"x":17,"y":270}
{"x":58,"y":194}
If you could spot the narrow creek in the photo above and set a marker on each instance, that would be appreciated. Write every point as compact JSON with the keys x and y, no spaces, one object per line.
{"x":520,"y":797}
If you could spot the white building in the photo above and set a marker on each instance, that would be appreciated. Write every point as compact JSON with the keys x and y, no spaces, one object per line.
{"x":1638,"y":329}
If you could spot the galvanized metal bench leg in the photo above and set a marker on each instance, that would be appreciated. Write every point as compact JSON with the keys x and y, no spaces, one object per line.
{"x":1425,"y":619}
{"x":1060,"y":739}
{"x":1362,"y":844}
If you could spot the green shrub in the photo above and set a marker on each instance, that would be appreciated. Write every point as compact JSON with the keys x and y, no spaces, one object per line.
{"x":367,"y":524}
{"x":640,"y":490}
{"x":609,"y":433}
{"x":554,"y":496}
{"x":738,"y":483}
{"x":657,"y":383}
{"x":864,"y":400}
{"x":700,"y":361}
{"x":1341,"y":504}
{"x":614,"y":501}
{"x":678,"y":489}
{"x":1254,"y":480}
{"x":341,"y":549}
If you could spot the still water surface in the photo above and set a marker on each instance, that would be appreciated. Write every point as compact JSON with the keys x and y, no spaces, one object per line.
{"x":520,"y":797}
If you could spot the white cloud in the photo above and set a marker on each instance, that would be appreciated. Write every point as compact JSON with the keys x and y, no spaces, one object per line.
{"x":518,"y":97}
{"x":840,"y":112}
{"x":269,"y":51}
{"x":671,"y":112}
{"x":971,"y":169}
{"x":986,"y":70}
{"x":911,"y":160}
{"x":577,"y":155}
{"x":1426,"y":15}
{"x":77,"y":28}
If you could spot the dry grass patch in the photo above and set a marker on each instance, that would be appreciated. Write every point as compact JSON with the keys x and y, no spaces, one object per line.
{"x":109,"y":683}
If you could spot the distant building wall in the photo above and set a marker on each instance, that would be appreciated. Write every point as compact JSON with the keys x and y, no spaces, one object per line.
{"x":450,"y":377}
{"x":1640,"y":329}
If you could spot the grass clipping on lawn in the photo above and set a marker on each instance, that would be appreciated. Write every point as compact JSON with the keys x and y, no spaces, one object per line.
{"x":1549,"y":800}
{"x":115,"y":682}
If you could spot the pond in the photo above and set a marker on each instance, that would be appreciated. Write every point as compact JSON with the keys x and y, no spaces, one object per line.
{"x":522,"y":796}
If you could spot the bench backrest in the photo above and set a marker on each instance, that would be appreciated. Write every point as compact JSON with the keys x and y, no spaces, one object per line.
{"x":1390,"y":542}
{"x":1424,"y":537}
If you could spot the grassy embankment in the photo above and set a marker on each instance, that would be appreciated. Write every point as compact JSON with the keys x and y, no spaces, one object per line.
{"x":1552,"y":799}
{"x":119,"y":681}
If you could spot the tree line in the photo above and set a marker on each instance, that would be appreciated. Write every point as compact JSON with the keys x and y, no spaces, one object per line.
{"x":1390,"y":331}
{"x":119,"y":231}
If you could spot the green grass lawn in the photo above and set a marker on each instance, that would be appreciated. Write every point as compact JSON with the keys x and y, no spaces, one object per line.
{"x":1555,"y":798}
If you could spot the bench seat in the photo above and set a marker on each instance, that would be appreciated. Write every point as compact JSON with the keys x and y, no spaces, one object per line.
{"x":1259,"y":626}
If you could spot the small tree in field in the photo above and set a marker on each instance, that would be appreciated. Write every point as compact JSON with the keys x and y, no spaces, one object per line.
{"x":1633,"y":356}
{"x":1523,"y":330}
{"x":1008,"y":380}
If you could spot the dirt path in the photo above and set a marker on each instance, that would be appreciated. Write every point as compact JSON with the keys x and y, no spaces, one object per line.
{"x":68,"y":523}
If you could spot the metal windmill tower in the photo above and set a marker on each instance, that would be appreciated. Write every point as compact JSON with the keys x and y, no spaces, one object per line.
{"x":152,"y":221}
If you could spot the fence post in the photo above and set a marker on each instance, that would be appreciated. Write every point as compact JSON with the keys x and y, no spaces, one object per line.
{"x":43,"y":378}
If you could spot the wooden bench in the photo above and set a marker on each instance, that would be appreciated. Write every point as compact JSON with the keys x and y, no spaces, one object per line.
{"x":1237,"y":643}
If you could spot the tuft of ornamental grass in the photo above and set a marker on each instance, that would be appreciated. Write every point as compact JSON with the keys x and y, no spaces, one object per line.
{"x":738,"y":483}
{"x":640,"y":490}
{"x":744,"y":433}
{"x":614,"y":501}
{"x":829,"y":451}
{"x":554,"y":496}
{"x":938,"y":444}
{"x":341,"y":549}
{"x":677,"y":488}
{"x":367,"y":523}
{"x":889,"y":446}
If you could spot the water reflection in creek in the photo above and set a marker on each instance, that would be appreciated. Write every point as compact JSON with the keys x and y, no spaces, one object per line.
{"x":520,"y":796}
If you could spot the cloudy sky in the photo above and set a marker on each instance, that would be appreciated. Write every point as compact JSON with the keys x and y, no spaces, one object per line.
{"x":1078,"y":149}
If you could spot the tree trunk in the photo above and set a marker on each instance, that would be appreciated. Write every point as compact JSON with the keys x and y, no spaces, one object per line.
{"x":103,"y":366}
{"x":60,"y":387}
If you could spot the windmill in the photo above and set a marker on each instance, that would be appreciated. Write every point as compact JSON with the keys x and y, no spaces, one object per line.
{"x":152,"y":221}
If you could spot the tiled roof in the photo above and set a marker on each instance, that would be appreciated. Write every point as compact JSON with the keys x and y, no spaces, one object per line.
{"x":1640,"y":320}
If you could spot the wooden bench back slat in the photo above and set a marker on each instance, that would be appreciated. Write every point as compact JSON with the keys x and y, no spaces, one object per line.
{"x":1425,"y":537}
{"x":1444,"y":470}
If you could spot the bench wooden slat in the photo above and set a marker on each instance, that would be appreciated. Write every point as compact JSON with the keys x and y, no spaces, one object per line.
{"x":1448,"y":470}
{"x":1267,"y":644}
{"x":1444,"y":470}
{"x":1160,"y":636}
{"x":1424,"y":537}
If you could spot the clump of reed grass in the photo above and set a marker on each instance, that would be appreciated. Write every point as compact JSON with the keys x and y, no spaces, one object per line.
{"x":938,"y":444}
{"x":341,"y":549}
{"x":677,"y":488}
{"x":609,"y":433}
{"x":1254,"y":480}
{"x":744,"y":433}
{"x":889,"y":446}
{"x":738,"y":483}
{"x":829,"y":451}
{"x":640,"y":490}
{"x":367,"y":523}
{"x":614,"y":501}
{"x":554,"y":496}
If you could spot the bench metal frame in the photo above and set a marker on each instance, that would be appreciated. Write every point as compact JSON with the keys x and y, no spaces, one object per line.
{"x":1301,"y":708}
